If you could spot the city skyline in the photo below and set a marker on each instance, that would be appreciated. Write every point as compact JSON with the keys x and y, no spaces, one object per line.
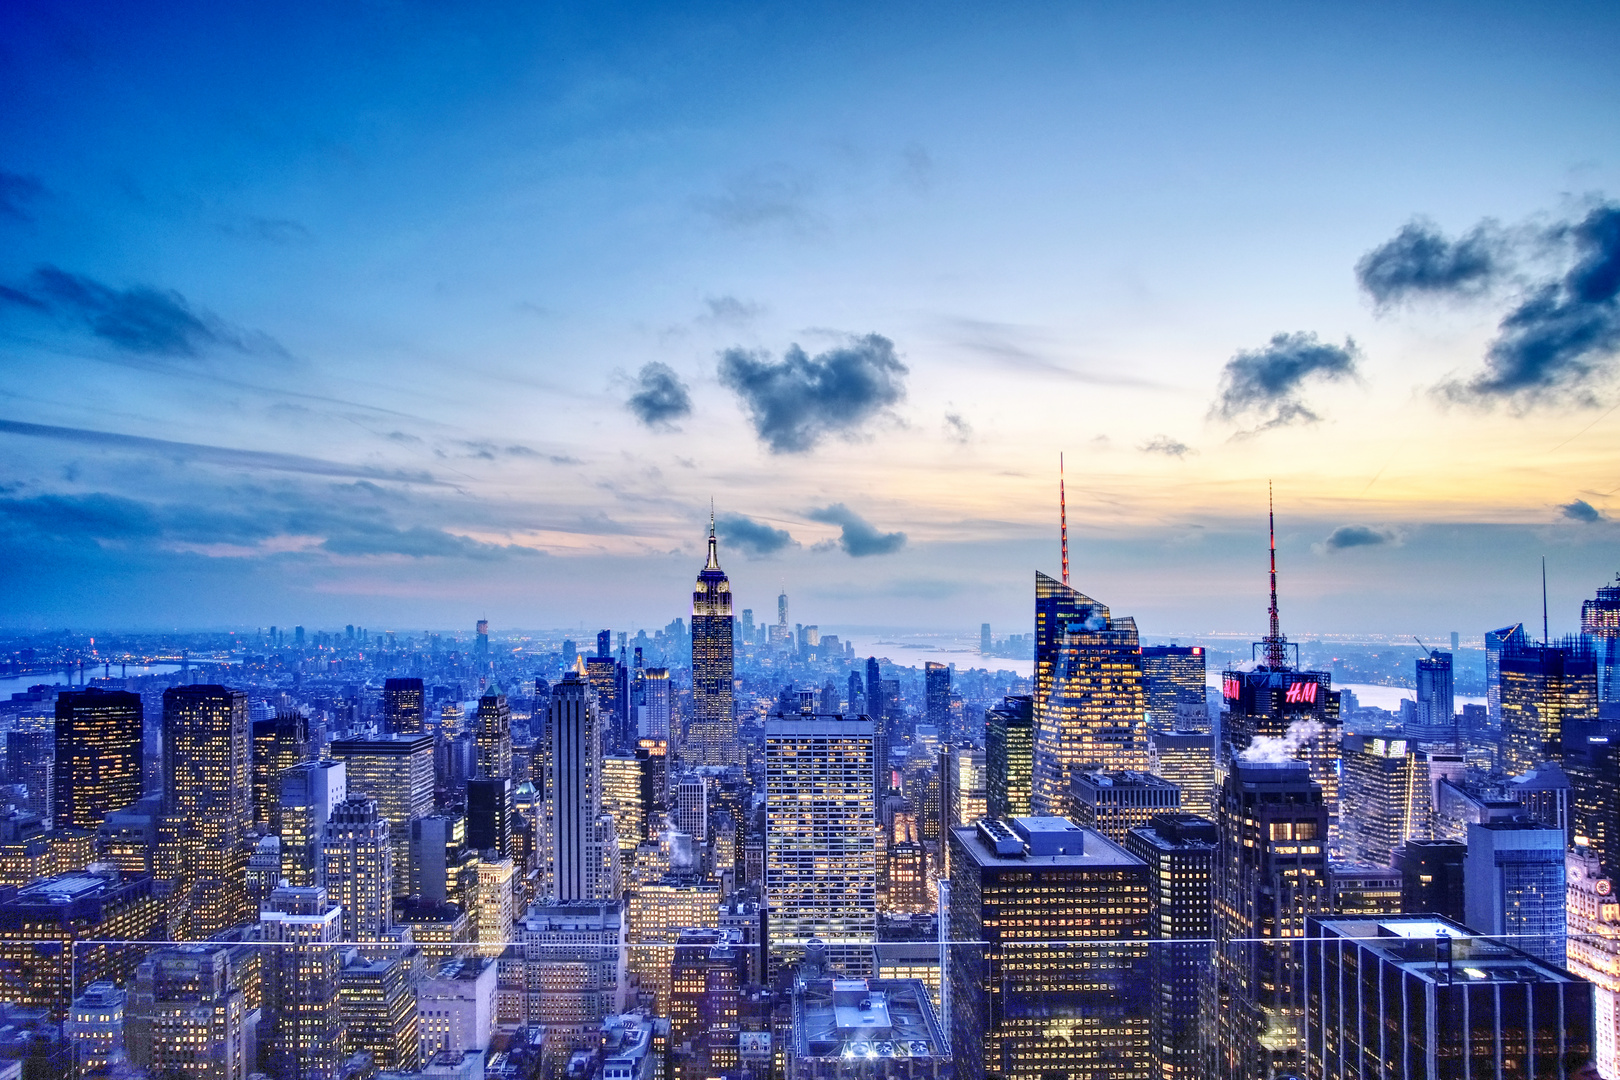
{"x":483,"y":321}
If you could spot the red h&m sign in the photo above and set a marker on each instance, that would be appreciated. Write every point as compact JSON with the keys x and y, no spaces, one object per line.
{"x":1301,"y":693}
{"x":1232,"y":687}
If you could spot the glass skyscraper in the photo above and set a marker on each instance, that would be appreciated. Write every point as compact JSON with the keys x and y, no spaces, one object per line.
{"x":98,"y":755}
{"x":207,"y":807}
{"x":711,"y":738}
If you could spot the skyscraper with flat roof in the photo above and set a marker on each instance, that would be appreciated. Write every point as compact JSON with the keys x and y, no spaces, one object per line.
{"x":1386,"y":781}
{"x":404,"y":707}
{"x":1187,"y":760}
{"x":186,"y":1015}
{"x":1009,"y":756}
{"x":494,"y":734}
{"x":308,"y":793}
{"x":397,"y":771}
{"x":1600,"y":621}
{"x":712,"y":734}
{"x":1513,"y":885}
{"x":98,"y":755}
{"x":1545,"y":691}
{"x":1114,"y":803}
{"x":1173,"y":684}
{"x":356,"y":868}
{"x":300,"y":984}
{"x":207,"y":807}
{"x":1436,"y":715}
{"x":937,"y":694}
{"x":1090,"y":712}
{"x":821,"y":838}
{"x":1048,"y":970}
{"x":574,"y":795}
{"x":1432,"y":877}
{"x":279,"y":742}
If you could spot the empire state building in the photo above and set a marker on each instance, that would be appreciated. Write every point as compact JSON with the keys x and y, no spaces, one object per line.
{"x":711,"y":738}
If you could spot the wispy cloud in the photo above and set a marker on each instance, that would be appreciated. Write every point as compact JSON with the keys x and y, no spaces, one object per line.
{"x":17,"y":190}
{"x":1164,"y":444}
{"x":1263,"y":386}
{"x":731,"y":310}
{"x":957,"y":429}
{"x":796,"y":402}
{"x":660,"y":397}
{"x":859,"y":537}
{"x":774,"y":196}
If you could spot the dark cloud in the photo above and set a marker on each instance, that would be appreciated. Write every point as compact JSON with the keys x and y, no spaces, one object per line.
{"x":754,"y":538}
{"x":1263,"y":385}
{"x":795,"y":403}
{"x":957,"y":429}
{"x":660,"y":398}
{"x":1559,"y":343}
{"x":418,"y":542}
{"x":213,"y":455}
{"x":1421,"y":261}
{"x":94,"y":517}
{"x":1164,"y":444}
{"x":860,"y":537}
{"x":142,"y":320}
{"x":1349,"y":536}
{"x":1582,"y":511}
{"x":17,"y":190}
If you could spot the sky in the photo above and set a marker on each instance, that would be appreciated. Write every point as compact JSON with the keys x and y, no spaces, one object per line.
{"x":405,"y":314}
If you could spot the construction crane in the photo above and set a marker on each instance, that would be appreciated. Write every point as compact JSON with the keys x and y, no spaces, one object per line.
{"x":1426,"y":650}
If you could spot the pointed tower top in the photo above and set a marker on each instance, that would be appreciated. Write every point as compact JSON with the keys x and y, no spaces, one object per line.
{"x":1276,"y":644}
{"x":1063,"y":519}
{"x":714,"y":549}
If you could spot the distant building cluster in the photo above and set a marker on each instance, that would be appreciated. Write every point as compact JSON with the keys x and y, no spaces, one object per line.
{"x":734,"y":849}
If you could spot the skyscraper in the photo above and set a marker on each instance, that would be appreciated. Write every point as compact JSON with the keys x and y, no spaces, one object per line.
{"x":1436,"y":705}
{"x":356,"y":868}
{"x":821,"y":838}
{"x":653,"y":722}
{"x":937,"y":695}
{"x":1432,"y":877}
{"x":1187,"y":760}
{"x":1048,"y":974}
{"x":574,"y":795}
{"x":300,"y":984}
{"x":1513,"y":885}
{"x":1387,"y":783}
{"x":308,"y":793}
{"x":207,"y":807}
{"x":1495,"y":642}
{"x":491,"y":815}
{"x":397,"y":771}
{"x":1009,"y":757}
{"x":186,"y":1015}
{"x":1545,"y":690}
{"x":403,"y":707}
{"x":1272,"y":872}
{"x":1090,"y":712}
{"x":1600,"y":621}
{"x":494,"y":734}
{"x":1173,"y":678}
{"x":712,"y":735}
{"x":98,"y":755}
{"x":279,"y":743}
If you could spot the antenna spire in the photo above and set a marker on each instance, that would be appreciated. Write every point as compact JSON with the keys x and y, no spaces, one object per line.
{"x":1276,"y":644}
{"x":1544,"y":640}
{"x":1063,"y":519}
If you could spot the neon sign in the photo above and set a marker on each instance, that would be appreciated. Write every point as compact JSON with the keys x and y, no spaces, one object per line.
{"x":1301,"y":693}
{"x":1232,"y":687}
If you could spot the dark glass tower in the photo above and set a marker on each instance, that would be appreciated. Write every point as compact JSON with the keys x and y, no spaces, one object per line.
{"x":98,"y":755}
{"x":279,"y":743}
{"x":1600,"y":620}
{"x":403,"y":706}
{"x":1174,"y":683}
{"x":1009,"y":755}
{"x":494,"y":734}
{"x":712,"y":736}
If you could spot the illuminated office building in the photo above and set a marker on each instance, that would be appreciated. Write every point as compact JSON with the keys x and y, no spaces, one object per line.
{"x":279,"y":743}
{"x":207,"y":808}
{"x":1009,"y":757}
{"x":690,"y":806}
{"x":494,"y":734}
{"x":1187,"y":760}
{"x":1090,"y":712}
{"x":1600,"y":621}
{"x":455,"y":1006}
{"x":1114,"y":803}
{"x":397,"y":771}
{"x":837,"y":1022}
{"x":1386,"y":781}
{"x":1594,"y":951}
{"x":937,"y":695}
{"x":655,"y":914}
{"x":377,"y":1007}
{"x":1593,"y":766}
{"x":1059,"y":985}
{"x":31,"y":761}
{"x":652,"y":721}
{"x":575,"y":956}
{"x":712,"y":734}
{"x":1271,"y":873}
{"x":1417,"y":997}
{"x":494,"y":906}
{"x":707,"y":973}
{"x":1173,"y":685}
{"x":583,"y":866}
{"x":1495,"y":642}
{"x":28,"y":853}
{"x":61,"y":933}
{"x":1435,"y":715}
{"x":1545,"y":690}
{"x":1363,"y":889}
{"x":966,"y":799}
{"x":622,"y":796}
{"x":98,"y":755}
{"x":1180,"y":851}
{"x":95,"y":1027}
{"x":303,"y":1039}
{"x":1513,"y":885}
{"x":186,"y":1015}
{"x":404,"y":707}
{"x":308,"y":794}
{"x":821,"y":838}
{"x":356,"y":868}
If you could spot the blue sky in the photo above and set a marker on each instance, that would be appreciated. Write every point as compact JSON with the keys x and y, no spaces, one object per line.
{"x":408,"y":313}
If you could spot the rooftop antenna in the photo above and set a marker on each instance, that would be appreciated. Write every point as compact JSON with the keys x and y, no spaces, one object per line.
{"x":1063,"y":519}
{"x":1276,"y":644}
{"x":1544,"y":640}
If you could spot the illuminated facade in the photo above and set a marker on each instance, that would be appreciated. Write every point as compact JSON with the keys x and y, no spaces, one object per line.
{"x":45,"y":854}
{"x":279,"y":743}
{"x":377,"y":1005}
{"x":186,"y":1015}
{"x":652,"y":717}
{"x":1173,"y":684}
{"x":308,"y":794}
{"x":98,"y":755}
{"x":838,"y":1026}
{"x":622,"y":797}
{"x":1271,"y":873}
{"x":495,"y":905}
{"x":1594,"y":951}
{"x":1297,"y":709}
{"x":494,"y":734}
{"x":1593,"y":766}
{"x":356,"y":868}
{"x":1090,"y":710}
{"x":404,"y":707}
{"x":1386,"y":781}
{"x":706,"y":978}
{"x":59,"y":934}
{"x":1180,"y":852}
{"x":1187,"y":760}
{"x":575,"y":955}
{"x":821,"y":839}
{"x":1114,"y":803}
{"x":1009,"y":757}
{"x":1545,"y":689}
{"x":1513,"y":885}
{"x":397,"y":771}
{"x":711,"y":737}
{"x":300,"y":984}
{"x":207,"y":808}
{"x":1600,"y":621}
{"x":655,"y":914}
{"x":584,"y":855}
{"x":1363,"y":889}
{"x":1060,"y":985}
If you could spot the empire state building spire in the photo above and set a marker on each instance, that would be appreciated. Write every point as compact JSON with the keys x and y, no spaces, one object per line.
{"x":712,"y":732}
{"x":714,"y":548}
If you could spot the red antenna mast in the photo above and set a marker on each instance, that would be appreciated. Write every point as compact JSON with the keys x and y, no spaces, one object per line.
{"x":1063,"y":519}
{"x":1276,"y":644}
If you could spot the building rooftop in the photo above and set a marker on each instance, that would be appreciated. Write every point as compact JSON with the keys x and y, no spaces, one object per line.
{"x":1440,"y":951}
{"x":1038,"y":842}
{"x":865,"y":1018}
